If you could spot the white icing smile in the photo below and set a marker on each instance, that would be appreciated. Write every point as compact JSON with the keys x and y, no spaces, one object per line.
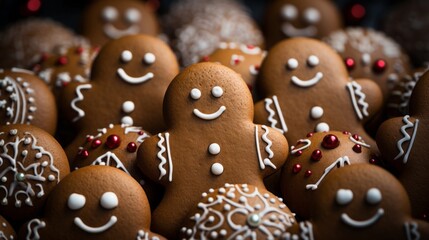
{"x":292,"y":31}
{"x":80,"y":224}
{"x":114,"y":33}
{"x":307,"y":83}
{"x":210,"y":116}
{"x":134,"y":80}
{"x":361,"y":224}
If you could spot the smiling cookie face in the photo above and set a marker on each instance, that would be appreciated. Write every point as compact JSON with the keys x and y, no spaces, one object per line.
{"x":106,"y":20}
{"x":308,"y":18}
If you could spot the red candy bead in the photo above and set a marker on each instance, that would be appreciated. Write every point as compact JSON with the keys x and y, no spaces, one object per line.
{"x":89,"y":138}
{"x":308,"y":173}
{"x":356,"y":137}
{"x":310,"y":134}
{"x":132,"y":147}
{"x":296,"y":168}
{"x":113,"y":141}
{"x":346,"y":133}
{"x":357,"y":148}
{"x":96,"y":143}
{"x":350,"y":63}
{"x":298,"y":153}
{"x":205,"y":59}
{"x":83,"y":153}
{"x":330,"y":141}
{"x":62,"y":60}
{"x":316,"y":155}
{"x":379,"y":66}
{"x":79,"y":50}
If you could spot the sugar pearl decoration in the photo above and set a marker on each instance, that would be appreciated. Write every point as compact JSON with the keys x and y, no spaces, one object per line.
{"x":127,"y":120}
{"x":322,"y":127}
{"x":128,"y":106}
{"x":316,"y":112}
{"x":217,"y":169}
{"x":254,"y":220}
{"x":214,"y":149}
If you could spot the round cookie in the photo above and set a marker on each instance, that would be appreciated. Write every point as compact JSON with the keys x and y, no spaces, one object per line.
{"x":238,"y":211}
{"x":370,"y":54}
{"x":307,"y":89}
{"x":22,"y":42}
{"x":105,"y":20}
{"x":25,"y":99}
{"x":244,"y":59}
{"x":94,"y":202}
{"x":210,"y":140}
{"x":32,"y":164}
{"x":300,"y":18}
{"x":129,"y":91}
{"x":403,"y":144}
{"x":6,"y":230}
{"x":312,"y":159}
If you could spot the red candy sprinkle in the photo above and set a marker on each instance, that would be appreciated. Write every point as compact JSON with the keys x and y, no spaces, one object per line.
{"x":296,"y":168}
{"x":89,"y":138}
{"x":113,"y":141}
{"x":357,"y":148}
{"x":84,"y":153}
{"x":96,"y":143}
{"x":308,"y":173}
{"x":298,"y":153}
{"x":141,"y":133}
{"x":346,"y":133}
{"x":374,"y":159}
{"x":316,"y":155}
{"x":310,"y":134}
{"x":379,"y":66}
{"x":79,"y":50}
{"x":350,"y":63}
{"x":62,"y":60}
{"x":330,"y":141}
{"x":132,"y":147}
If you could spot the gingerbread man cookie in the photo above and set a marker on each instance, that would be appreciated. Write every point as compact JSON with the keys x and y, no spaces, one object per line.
{"x":25,"y":99}
{"x":244,"y":59}
{"x":32,"y":163}
{"x":362,"y":201}
{"x":307,"y":89}
{"x":105,"y":20}
{"x":94,"y":202}
{"x":238,"y":211}
{"x":129,"y":78}
{"x":370,"y":54}
{"x":312,"y":159}
{"x":210,"y":140}
{"x":300,"y":18}
{"x":402,"y":142}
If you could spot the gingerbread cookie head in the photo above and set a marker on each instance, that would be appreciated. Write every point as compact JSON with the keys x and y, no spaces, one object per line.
{"x":238,"y":211}
{"x":244,"y":59}
{"x":296,"y":18}
{"x":94,"y":202}
{"x":361,"y":201}
{"x":106,"y":20}
{"x":6,"y":230}
{"x":25,"y":99}
{"x":370,"y":54}
{"x":32,"y":164}
{"x":307,"y":87}
{"x":315,"y":157}
{"x":140,"y":69}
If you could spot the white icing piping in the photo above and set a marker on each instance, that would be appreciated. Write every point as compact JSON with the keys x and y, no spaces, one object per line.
{"x":79,"y":97}
{"x":104,"y":160}
{"x":114,"y":33}
{"x":267,"y":141}
{"x":266,"y":161}
{"x":134,"y":80}
{"x":253,"y":70}
{"x":210,"y":116}
{"x":355,"y":90}
{"x":307,"y":144}
{"x":160,"y":157}
{"x":170,"y":161}
{"x":291,"y":31}
{"x":271,"y":113}
{"x":21,"y":70}
{"x":359,"y":142}
{"x":340,"y":162}
{"x":412,"y":230}
{"x":34,"y":230}
{"x":251,"y":51}
{"x":408,"y":124}
{"x":362,"y":224}
{"x":80,"y":224}
{"x":306,"y":230}
{"x":309,"y":82}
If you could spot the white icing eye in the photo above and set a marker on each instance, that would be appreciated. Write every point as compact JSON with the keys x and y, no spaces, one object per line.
{"x":109,"y":200}
{"x":292,"y":64}
{"x":132,"y":15}
{"x":195,"y":93}
{"x":313,"y":61}
{"x":109,"y":14}
{"x":289,"y":12}
{"x":344,"y":196}
{"x":126,"y":56}
{"x":373,"y":196}
{"x":76,"y":201}
{"x":149,"y":58}
{"x":312,"y":15}
{"x":217,"y":91}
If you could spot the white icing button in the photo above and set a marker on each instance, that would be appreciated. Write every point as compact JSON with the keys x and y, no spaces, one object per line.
{"x":292,"y":63}
{"x":373,"y":196}
{"x":76,"y":201}
{"x":344,"y":196}
{"x":289,"y":12}
{"x":149,"y":58}
{"x":109,"y":200}
{"x":217,"y":91}
{"x":316,"y":112}
{"x":126,"y":56}
{"x":132,"y":15}
{"x":217,"y":169}
{"x":127,"y":120}
{"x":313,"y":61}
{"x":128,"y":106}
{"x":110,"y":13}
{"x":195,"y":93}
{"x":322,"y":127}
{"x":312,"y":15}
{"x":214,"y":149}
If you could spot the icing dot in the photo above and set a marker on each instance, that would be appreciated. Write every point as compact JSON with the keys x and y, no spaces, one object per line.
{"x":272,"y":200}
{"x":254,"y":220}
{"x":51,"y":178}
{"x":316,"y":112}
{"x":214,"y":234}
{"x":211,"y":219}
{"x":316,"y":155}
{"x":292,"y":64}
{"x":210,"y":200}
{"x":204,"y":195}
{"x":127,"y":120}
{"x":217,"y":91}
{"x":38,"y":155}
{"x":223,"y":232}
{"x":113,"y":141}
{"x":266,"y":195}
{"x":189,"y":232}
{"x":296,"y":168}
{"x":24,"y":153}
{"x":195,"y":93}
{"x":230,"y":195}
{"x":227,"y":207}
{"x":149,"y":58}
{"x":197,"y":216}
{"x":357,"y":148}
{"x":132,"y":15}
{"x":211,"y":190}
{"x":96,"y":143}
{"x":20,"y":177}
{"x":257,"y":206}
{"x":214,"y":149}
{"x":217,"y":169}
{"x":373,"y":196}
{"x":109,"y":200}
{"x":132,"y":147}
{"x":109,"y":13}
{"x":76,"y":201}
{"x":242,"y":199}
{"x":366,"y":58}
{"x":126,"y":56}
{"x":289,"y":12}
{"x":45,"y":163}
{"x":344,"y":196}
{"x":4,"y":179}
{"x":313,"y":61}
{"x":322,"y":127}
{"x":222,"y":190}
{"x":330,"y":141}
{"x":128,"y":106}
{"x":312,"y":15}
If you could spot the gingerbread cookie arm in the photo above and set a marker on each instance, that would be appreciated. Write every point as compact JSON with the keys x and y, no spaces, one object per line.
{"x":366,"y":98}
{"x":416,"y":229}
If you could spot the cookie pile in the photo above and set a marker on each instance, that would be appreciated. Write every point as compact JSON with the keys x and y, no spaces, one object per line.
{"x":200,"y":125}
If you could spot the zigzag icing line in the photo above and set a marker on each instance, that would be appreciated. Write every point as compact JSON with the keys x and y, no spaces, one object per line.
{"x":412,"y":230}
{"x":355,"y":90}
{"x":268,"y":102}
{"x":407,"y":137}
{"x":160,"y":157}
{"x":79,"y":98}
{"x":267,"y":141}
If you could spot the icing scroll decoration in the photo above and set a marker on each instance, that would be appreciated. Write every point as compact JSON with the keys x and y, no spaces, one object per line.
{"x":163,"y":160}
{"x":33,"y":232}
{"x":266,"y":161}
{"x":106,"y":160}
{"x":272,"y":113}
{"x":406,"y":138}
{"x":142,"y":235}
{"x":412,"y":230}
{"x":306,"y":145}
{"x":79,"y":98}
{"x":358,"y":99}
{"x":340,"y":162}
